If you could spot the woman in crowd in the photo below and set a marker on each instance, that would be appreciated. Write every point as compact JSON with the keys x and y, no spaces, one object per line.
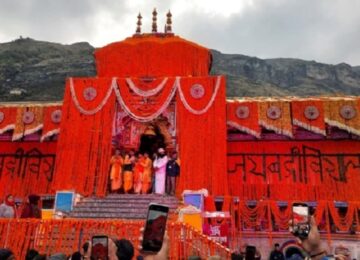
{"x":8,"y":209}
{"x":116,"y":171}
{"x":138,"y":173}
{"x":147,"y":174}
{"x":31,"y":208}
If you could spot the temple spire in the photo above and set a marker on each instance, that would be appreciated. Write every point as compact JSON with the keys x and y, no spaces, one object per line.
{"x":138,"y":27}
{"x":168,"y":28}
{"x":154,"y":19}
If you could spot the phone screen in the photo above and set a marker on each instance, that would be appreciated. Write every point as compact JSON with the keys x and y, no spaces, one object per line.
{"x":155,"y":228}
{"x":99,"y":249}
{"x":301,"y":225}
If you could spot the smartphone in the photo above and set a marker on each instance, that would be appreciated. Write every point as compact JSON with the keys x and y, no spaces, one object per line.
{"x":155,"y":226}
{"x":301,"y":220}
{"x":99,"y":247}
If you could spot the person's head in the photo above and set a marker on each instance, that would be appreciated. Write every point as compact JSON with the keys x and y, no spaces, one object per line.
{"x":277,"y":246}
{"x":236,"y":256}
{"x":161,"y":152}
{"x":117,"y":152}
{"x":85,"y":248}
{"x":146,"y":155}
{"x":125,"y":249}
{"x":31,"y":253}
{"x":174,"y":155}
{"x":131,"y":152}
{"x":76,"y":256}
{"x":9,"y":200}
{"x":40,"y":257}
{"x":34,"y":199}
{"x":6,"y":254}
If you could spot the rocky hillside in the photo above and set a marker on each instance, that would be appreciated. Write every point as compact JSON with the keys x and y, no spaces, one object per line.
{"x":35,"y":70}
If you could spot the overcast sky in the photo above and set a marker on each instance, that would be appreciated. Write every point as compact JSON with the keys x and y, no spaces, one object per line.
{"x":322,"y":30}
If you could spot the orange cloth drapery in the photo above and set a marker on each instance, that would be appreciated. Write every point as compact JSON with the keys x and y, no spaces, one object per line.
{"x":202,"y":138}
{"x":335,"y":110}
{"x":281,"y":123}
{"x":152,"y":56}
{"x":285,"y":170}
{"x":309,"y":114}
{"x":52,"y":119}
{"x":26,"y":167}
{"x":8,"y":118}
{"x":243,"y":115}
{"x":84,"y":146}
{"x":34,"y":124}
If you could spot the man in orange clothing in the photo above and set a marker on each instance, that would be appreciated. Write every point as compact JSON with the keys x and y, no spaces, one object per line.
{"x":116,"y":171}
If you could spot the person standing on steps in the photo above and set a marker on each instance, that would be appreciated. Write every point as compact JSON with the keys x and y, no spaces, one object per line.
{"x":160,"y":171}
{"x":116,"y":171}
{"x":172,"y":171}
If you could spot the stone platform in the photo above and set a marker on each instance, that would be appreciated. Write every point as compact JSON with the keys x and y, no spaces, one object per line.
{"x":120,"y":206}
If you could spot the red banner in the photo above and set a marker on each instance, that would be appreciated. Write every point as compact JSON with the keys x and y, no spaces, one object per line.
{"x":284,"y":170}
{"x":26,"y":167}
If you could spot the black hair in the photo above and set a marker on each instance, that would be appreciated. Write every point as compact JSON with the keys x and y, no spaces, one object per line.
{"x":125,"y":249}
{"x":76,"y":256}
{"x":5,"y":253}
{"x":85,"y":247}
{"x":31,"y":253}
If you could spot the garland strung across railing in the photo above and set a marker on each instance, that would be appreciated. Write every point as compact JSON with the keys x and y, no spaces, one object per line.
{"x":144,"y":94}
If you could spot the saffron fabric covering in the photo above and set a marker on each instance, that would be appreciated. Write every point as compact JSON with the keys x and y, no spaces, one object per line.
{"x":299,"y":118}
{"x":153,"y":56}
{"x":281,"y":125}
{"x":21,"y":128}
{"x":9,"y":118}
{"x":249,"y":124}
{"x":333,"y":114}
{"x":84,"y":145}
{"x":67,"y":236}
{"x":50,"y":127}
{"x":284,"y":170}
{"x":26,"y":167}
{"x":202,"y":138}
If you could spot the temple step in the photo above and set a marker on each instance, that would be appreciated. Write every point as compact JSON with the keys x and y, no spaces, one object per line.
{"x":121,"y":206}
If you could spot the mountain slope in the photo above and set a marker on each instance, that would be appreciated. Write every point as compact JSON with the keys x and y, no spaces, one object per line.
{"x":36,"y":70}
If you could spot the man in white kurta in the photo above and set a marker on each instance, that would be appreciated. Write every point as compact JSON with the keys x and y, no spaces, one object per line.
{"x":160,"y":171}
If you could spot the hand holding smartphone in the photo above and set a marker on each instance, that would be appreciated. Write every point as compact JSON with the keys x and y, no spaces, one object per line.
{"x":155,"y":227}
{"x":99,"y":247}
{"x":300,"y":220}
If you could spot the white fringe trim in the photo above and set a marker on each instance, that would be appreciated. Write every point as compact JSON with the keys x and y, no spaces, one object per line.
{"x":310,"y":128}
{"x":275,"y":129}
{"x":27,"y":132}
{"x":206,"y":108}
{"x":244,"y":129}
{"x":49,"y":134}
{"x":98,"y":108}
{"x":154,"y":115}
{"x":7,"y":128}
{"x":342,"y":126}
{"x":148,"y":93}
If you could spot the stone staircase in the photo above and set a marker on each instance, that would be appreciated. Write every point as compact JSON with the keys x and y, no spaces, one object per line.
{"x":120,"y":206}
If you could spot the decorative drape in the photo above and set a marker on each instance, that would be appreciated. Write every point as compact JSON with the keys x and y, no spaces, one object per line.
{"x":29,"y":120}
{"x":7,"y":118}
{"x":243,"y":115}
{"x":52,"y":119}
{"x":202,"y":134}
{"x":84,"y":146}
{"x":26,"y":167}
{"x":276,"y":116}
{"x":343,"y":113}
{"x":283,"y":170}
{"x":309,"y":114}
{"x":152,"y":56}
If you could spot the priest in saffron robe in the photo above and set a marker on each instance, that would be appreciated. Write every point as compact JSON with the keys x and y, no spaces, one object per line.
{"x":147,"y":174}
{"x":160,"y":171}
{"x":116,"y":171}
{"x":129,"y":161}
{"x":138,"y":173}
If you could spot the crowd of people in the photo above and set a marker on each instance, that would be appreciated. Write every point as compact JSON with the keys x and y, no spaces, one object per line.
{"x":29,"y":209}
{"x":143,"y":173}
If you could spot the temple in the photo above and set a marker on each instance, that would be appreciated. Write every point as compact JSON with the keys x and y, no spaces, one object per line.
{"x":254,"y":156}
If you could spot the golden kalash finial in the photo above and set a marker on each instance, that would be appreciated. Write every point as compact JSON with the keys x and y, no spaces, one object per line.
{"x":168,"y":28}
{"x":154,"y":25}
{"x":138,"y":27}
